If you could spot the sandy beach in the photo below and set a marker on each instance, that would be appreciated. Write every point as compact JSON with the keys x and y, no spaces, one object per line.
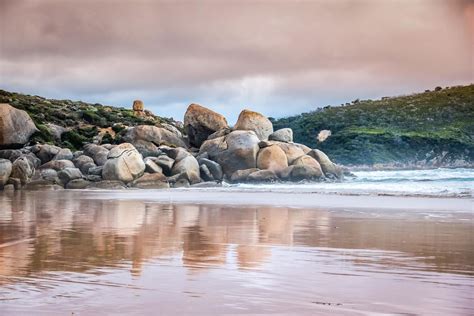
{"x":193,"y":251}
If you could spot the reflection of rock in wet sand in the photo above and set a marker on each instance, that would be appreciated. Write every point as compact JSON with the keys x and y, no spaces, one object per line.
{"x":56,"y":231}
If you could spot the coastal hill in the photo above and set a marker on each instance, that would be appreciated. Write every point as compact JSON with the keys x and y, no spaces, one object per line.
{"x":72,"y":124}
{"x":433,"y":128}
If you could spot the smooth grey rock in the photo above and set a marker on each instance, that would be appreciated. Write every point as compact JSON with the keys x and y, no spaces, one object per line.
{"x":282,"y":135}
{"x":16,"y":126}
{"x":57,"y":165}
{"x":214,"y":168}
{"x":77,"y":184}
{"x":22,"y":169}
{"x":151,"y":181}
{"x":188,"y":165}
{"x":64,"y":154}
{"x":154,"y":135}
{"x":205,"y":173}
{"x":152,"y":167}
{"x":69,"y":174}
{"x":166,"y":164}
{"x":46,"y":152}
{"x":242,"y":175}
{"x":107,"y":185}
{"x":97,"y":153}
{"x":262,"y":176}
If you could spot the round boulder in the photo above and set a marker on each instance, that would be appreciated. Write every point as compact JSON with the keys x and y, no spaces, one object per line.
{"x":272,"y":158}
{"x":200,"y":122}
{"x":254,"y":121}
{"x":190,"y":166}
{"x":16,"y":126}
{"x":282,"y":135}
{"x":124,"y":163}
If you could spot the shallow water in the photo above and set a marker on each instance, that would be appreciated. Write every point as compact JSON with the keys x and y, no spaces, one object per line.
{"x":102,"y":253}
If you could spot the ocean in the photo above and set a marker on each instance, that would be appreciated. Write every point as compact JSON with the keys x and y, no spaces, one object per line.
{"x":442,"y":182}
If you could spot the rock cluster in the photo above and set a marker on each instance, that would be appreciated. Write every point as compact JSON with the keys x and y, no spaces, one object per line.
{"x":156,"y":157}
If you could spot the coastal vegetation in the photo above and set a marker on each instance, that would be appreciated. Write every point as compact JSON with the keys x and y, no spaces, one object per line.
{"x":433,"y":127}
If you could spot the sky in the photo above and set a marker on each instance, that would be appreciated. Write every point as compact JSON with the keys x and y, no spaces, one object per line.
{"x":280,"y":58}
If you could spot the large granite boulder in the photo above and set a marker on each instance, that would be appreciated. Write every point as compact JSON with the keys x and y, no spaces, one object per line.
{"x":200,"y":122}
{"x":254,"y":121}
{"x":188,"y":165}
{"x":272,"y":158}
{"x":5,"y":171}
{"x":153,"y":135}
{"x":236,"y":151}
{"x":16,"y":126}
{"x":306,"y":167}
{"x":124,"y":163}
{"x":282,"y":135}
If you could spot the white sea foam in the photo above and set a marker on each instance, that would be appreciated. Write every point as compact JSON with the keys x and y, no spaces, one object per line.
{"x":434,"y":182}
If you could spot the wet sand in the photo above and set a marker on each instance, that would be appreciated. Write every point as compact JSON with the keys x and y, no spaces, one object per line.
{"x":195,"y":252}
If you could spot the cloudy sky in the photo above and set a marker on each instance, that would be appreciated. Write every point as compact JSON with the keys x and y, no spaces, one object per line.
{"x":276,"y":57}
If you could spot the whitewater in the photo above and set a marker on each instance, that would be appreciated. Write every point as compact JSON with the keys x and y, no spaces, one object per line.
{"x":442,"y":182}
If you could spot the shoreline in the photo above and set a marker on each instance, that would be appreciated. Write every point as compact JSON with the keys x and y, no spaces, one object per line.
{"x":279,"y":199}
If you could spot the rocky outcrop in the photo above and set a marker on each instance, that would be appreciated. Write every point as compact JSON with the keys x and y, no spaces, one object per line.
{"x":149,"y":138}
{"x":124,"y":163}
{"x":200,"y":122}
{"x":16,"y":126}
{"x":254,"y":121}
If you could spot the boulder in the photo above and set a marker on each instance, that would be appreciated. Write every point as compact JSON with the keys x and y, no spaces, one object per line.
{"x":84,"y":163}
{"x":304,"y":148}
{"x":46,"y":152}
{"x":173,"y":129}
{"x":206,"y":175}
{"x":64,"y":154}
{"x":236,"y":151}
{"x":242,"y":175}
{"x":98,"y":153}
{"x":57,"y":165}
{"x":69,"y":174}
{"x":56,"y":130}
{"x":166,"y":163}
{"x":35,"y":161}
{"x":262,"y":176}
{"x":292,"y":151}
{"x":254,"y":121}
{"x":50,"y":175}
{"x":77,"y":184}
{"x":151,"y":166}
{"x":151,"y":181}
{"x":200,"y":122}
{"x":272,"y":158}
{"x":22,"y":169}
{"x":10,"y":154}
{"x":181,"y":183}
{"x":16,"y":126}
{"x":138,"y":105}
{"x":124,"y":163}
{"x":154,"y":135}
{"x":213,"y":167}
{"x":175,"y":153}
{"x":95,"y":171}
{"x":285,"y":174}
{"x":5,"y":171}
{"x":282,"y":135}
{"x":220,"y":133}
{"x":329,"y":168}
{"x":188,"y":165}
{"x":306,"y":167}
{"x":146,"y":148}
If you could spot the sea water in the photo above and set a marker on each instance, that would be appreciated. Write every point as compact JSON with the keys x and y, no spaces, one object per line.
{"x":441,"y":182}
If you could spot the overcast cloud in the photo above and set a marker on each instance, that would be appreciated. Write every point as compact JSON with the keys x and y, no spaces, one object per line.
{"x":276,"y":57}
